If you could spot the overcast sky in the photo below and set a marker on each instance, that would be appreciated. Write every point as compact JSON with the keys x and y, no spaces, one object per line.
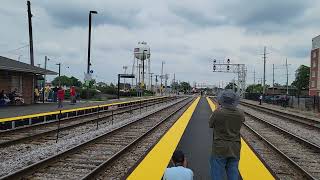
{"x":186,"y":34}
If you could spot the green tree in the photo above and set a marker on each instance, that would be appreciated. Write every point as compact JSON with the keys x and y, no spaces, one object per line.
{"x":175,"y":86}
{"x":302,"y":78}
{"x":254,"y":88}
{"x":64,"y":81}
{"x":185,"y":86}
{"x":75,"y":82}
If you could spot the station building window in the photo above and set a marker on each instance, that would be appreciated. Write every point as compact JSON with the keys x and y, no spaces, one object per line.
{"x":313,"y":74}
{"x":312,"y":84}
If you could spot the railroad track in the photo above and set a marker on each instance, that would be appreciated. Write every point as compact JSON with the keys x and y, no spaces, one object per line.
{"x":300,"y":154}
{"x":306,"y":131}
{"x":79,"y":161}
{"x":44,"y":131}
{"x":285,"y":115}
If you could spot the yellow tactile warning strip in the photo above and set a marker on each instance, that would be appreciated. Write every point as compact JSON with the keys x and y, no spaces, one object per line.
{"x":250,"y":166}
{"x":66,"y":111}
{"x":157,"y":160}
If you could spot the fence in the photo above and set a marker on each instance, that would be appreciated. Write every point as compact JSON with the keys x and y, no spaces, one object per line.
{"x":305,"y":103}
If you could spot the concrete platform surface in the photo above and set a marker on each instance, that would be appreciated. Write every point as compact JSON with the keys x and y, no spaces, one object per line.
{"x":196,"y":141}
{"x":13,"y":111}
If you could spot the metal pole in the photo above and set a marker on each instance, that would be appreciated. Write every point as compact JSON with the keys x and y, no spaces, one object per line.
{"x":161,"y":77}
{"x":59,"y":64}
{"x":98,"y":117}
{"x":30,"y":33}
{"x":58,"y":126}
{"x":45,"y":76}
{"x":264,"y":70}
{"x":272,"y":78}
{"x":287,"y":76}
{"x":89,"y":40}
{"x":118,"y":86}
{"x":89,"y":44}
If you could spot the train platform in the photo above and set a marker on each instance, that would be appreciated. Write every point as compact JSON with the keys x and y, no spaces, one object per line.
{"x":14,"y":111}
{"x":12,"y":117}
{"x":192,"y":135}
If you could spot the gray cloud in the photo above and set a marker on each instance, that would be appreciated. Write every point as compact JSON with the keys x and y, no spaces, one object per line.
{"x":186,"y":34}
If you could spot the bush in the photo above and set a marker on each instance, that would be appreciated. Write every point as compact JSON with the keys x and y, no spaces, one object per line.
{"x":88,"y":93}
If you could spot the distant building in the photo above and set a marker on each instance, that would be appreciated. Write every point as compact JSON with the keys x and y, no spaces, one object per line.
{"x":314,"y":83}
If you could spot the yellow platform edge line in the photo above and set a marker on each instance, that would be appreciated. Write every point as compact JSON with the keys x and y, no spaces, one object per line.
{"x":157,"y":160}
{"x":250,"y":166}
{"x":70,"y":110}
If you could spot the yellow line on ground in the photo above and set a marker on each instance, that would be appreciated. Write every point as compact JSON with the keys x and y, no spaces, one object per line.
{"x":68,"y":110}
{"x":157,"y":160}
{"x":250,"y":166}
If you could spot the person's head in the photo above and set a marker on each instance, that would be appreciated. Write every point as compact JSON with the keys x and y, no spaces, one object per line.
{"x":228,"y":98}
{"x":178,"y":158}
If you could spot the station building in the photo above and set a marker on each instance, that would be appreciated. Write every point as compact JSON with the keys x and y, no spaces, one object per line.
{"x":19,"y":76}
{"x":314,"y":83}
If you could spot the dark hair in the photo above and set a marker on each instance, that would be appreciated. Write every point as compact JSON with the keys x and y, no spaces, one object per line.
{"x":178,"y":157}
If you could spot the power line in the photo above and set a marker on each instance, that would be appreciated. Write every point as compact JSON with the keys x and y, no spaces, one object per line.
{"x":15,"y":49}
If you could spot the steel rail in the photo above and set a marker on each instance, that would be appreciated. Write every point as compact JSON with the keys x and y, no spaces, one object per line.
{"x":307,"y":174}
{"x":27,"y":170}
{"x":120,"y":110}
{"x":293,"y":117}
{"x":93,"y":174}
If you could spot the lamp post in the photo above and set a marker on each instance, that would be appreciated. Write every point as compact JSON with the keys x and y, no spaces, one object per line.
{"x":89,"y":41}
{"x":59,"y":64}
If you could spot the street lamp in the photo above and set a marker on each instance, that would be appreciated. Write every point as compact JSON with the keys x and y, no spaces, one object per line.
{"x":89,"y":41}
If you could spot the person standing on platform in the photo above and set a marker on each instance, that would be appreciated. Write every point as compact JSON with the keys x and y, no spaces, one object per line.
{"x":260,"y":99}
{"x":226,"y":122}
{"x":60,"y":97}
{"x":55,"y":92}
{"x":73,"y":94}
{"x":36,"y":94}
{"x":180,"y":170}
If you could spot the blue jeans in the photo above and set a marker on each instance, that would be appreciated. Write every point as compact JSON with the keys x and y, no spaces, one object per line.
{"x":221,"y":167}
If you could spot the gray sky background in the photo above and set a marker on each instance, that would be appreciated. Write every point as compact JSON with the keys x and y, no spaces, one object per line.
{"x":187,"y":35}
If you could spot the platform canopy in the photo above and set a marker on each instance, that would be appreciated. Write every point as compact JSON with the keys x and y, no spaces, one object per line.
{"x":7,"y":64}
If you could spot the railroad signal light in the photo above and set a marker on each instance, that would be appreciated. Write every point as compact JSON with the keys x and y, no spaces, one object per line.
{"x":214,"y":61}
{"x":214,"y":67}
{"x":228,"y":68}
{"x":228,"y":61}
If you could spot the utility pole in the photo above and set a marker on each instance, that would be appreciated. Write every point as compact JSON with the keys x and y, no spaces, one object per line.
{"x":273,"y":78}
{"x":161,"y":77}
{"x":174,"y":82}
{"x":151,"y":88}
{"x":287,"y":72}
{"x":139,"y":93}
{"x":30,"y":33}
{"x":254,"y":76}
{"x":264,"y":69}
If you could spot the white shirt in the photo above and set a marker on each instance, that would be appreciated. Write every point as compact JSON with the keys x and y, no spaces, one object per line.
{"x":178,"y":173}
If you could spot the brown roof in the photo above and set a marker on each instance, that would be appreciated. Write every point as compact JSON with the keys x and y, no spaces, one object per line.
{"x":7,"y":64}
